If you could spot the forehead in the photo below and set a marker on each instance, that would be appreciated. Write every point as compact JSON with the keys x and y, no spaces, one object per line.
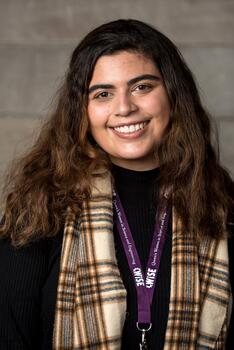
{"x":121,"y":66}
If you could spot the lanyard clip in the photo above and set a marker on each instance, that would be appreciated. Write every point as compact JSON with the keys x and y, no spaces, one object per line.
{"x":143,"y":344}
{"x":143,"y":329}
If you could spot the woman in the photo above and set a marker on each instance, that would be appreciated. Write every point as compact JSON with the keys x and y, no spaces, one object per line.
{"x":115,"y":231}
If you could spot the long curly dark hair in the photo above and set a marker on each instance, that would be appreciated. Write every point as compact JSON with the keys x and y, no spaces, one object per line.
{"x":57,"y":172}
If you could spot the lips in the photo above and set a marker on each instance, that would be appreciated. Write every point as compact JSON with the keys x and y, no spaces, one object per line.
{"x":130,"y":128}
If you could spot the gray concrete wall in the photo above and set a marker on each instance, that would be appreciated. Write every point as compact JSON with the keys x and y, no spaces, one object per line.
{"x":37,"y":38}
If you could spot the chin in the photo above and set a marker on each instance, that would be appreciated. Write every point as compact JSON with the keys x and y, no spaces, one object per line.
{"x":137,"y":155}
{"x":132,"y":157}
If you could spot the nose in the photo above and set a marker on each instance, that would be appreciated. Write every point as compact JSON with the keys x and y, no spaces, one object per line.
{"x":125,"y":105}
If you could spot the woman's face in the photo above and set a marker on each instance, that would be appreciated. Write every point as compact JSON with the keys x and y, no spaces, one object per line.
{"x":128,"y":109}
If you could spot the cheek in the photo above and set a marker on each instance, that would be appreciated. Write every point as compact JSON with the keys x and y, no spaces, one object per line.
{"x":161,"y":105}
{"x":158,"y":104}
{"x":98,"y":115}
{"x":92,"y":118}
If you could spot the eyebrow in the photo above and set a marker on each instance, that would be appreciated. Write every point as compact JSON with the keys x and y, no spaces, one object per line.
{"x":130,"y":82}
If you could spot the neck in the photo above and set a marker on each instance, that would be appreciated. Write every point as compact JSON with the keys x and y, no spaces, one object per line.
{"x":134,"y":181}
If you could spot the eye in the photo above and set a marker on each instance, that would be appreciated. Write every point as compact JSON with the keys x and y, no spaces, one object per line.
{"x":102,"y":95}
{"x":142,"y":88}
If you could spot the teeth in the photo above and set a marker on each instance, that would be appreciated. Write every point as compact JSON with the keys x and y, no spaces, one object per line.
{"x":130,"y":128}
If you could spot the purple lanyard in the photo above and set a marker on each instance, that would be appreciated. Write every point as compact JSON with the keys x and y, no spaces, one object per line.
{"x":144,"y":282}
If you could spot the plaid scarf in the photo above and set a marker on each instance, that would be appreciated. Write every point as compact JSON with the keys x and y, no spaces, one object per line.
{"x":91,"y":297}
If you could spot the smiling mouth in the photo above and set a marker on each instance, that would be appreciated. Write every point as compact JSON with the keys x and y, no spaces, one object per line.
{"x":128,"y":129}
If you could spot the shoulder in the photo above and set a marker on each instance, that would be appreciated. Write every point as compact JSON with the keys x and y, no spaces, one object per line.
{"x":27,"y":266}
{"x":22,"y":268}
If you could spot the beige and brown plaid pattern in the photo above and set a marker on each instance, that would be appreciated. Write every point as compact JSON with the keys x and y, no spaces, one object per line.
{"x":91,"y":298}
{"x":91,"y":301}
{"x":200,"y":293}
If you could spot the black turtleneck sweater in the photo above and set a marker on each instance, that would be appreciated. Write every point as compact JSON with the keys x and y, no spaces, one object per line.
{"x":29,"y":275}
